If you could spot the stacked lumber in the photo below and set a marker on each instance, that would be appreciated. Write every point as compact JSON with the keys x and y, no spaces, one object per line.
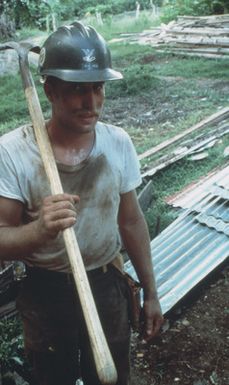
{"x":205,"y":36}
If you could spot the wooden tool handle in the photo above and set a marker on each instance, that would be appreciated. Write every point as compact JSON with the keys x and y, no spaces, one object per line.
{"x":102,"y":356}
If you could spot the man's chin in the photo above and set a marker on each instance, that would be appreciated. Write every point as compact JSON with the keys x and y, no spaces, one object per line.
{"x":85,"y":128}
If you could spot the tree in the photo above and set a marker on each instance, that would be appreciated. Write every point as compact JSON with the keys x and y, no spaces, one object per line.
{"x":7,"y":24}
{"x":198,"y":7}
{"x":173,"y":8}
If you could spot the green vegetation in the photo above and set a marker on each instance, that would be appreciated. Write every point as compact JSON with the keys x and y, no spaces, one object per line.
{"x":173,"y":179}
{"x":136,"y":78}
{"x":113,"y":26}
{"x":10,"y":346}
{"x":194,"y":68}
{"x":174,"y":8}
{"x":13,"y":108}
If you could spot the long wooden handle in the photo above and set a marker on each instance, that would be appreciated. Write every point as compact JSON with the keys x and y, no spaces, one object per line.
{"x":102,"y":356}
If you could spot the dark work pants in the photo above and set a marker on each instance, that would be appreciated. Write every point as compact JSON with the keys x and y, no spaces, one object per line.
{"x":55,"y":334}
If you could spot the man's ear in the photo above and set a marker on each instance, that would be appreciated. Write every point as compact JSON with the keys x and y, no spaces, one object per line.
{"x":48,"y":88}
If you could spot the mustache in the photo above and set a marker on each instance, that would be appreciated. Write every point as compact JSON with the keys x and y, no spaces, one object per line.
{"x":87,"y":113}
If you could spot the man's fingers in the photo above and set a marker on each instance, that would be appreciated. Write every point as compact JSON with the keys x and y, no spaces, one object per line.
{"x":61,"y":198}
{"x":60,"y":206}
{"x":59,"y":215}
{"x":153,"y":319}
{"x":152,"y":327}
{"x":58,"y":212}
{"x":62,"y":224}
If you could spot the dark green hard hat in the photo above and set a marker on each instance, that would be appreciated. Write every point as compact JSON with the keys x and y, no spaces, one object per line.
{"x":76,"y":53}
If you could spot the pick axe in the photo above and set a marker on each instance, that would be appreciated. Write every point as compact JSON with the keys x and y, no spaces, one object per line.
{"x":102,"y":356}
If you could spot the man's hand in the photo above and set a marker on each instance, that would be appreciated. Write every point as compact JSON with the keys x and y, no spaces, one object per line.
{"x":57,"y":213}
{"x":152,"y":318}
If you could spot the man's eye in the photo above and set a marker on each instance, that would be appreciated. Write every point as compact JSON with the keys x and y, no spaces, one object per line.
{"x":98,"y":87}
{"x":77,"y":89}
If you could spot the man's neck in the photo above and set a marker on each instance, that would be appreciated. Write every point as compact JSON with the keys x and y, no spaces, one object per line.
{"x":70,"y":148}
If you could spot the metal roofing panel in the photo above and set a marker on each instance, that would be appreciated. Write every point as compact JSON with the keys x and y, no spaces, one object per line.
{"x":183,"y":255}
{"x":193,"y":245}
{"x":187,"y":200}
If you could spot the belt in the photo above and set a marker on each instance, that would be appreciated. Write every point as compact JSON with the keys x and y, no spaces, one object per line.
{"x":37,"y":273}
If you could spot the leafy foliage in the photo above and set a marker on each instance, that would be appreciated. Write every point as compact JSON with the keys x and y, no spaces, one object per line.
{"x":33,"y":13}
{"x":194,"y":8}
{"x":110,"y":6}
{"x":11,"y":343}
{"x":26,"y":13}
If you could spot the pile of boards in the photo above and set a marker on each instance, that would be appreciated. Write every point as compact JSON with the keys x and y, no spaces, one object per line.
{"x":205,"y":36}
{"x":198,"y":36}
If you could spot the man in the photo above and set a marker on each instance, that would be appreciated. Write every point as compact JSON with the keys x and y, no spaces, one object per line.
{"x":99,"y":171}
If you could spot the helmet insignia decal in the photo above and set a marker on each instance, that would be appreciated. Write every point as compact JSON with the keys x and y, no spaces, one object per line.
{"x":42,"y":56}
{"x":88,"y":55}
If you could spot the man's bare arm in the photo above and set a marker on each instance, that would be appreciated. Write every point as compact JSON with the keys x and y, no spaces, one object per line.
{"x":18,"y":240}
{"x":135,"y":236}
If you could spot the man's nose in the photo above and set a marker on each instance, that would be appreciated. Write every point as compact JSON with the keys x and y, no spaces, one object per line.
{"x":90,"y":100}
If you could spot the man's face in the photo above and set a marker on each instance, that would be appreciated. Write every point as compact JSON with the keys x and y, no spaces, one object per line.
{"x":76,"y":106}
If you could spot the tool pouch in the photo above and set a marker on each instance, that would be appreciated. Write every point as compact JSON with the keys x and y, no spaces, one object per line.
{"x":134,"y":301}
{"x":133,"y":293}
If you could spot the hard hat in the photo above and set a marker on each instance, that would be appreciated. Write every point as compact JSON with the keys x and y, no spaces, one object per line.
{"x":76,"y":53}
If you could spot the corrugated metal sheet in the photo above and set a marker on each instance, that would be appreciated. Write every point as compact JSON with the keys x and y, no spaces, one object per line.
{"x":187,"y":200}
{"x":193,"y":245}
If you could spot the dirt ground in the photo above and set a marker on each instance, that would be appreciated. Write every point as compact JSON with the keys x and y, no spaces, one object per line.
{"x":193,"y":347}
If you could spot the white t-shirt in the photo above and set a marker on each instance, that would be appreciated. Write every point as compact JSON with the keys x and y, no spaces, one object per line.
{"x":111,"y":169}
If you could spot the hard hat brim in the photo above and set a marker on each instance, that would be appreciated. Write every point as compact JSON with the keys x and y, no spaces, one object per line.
{"x":82,"y":76}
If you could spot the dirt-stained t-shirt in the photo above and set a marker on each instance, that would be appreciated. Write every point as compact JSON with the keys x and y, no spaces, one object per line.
{"x":111,"y":169}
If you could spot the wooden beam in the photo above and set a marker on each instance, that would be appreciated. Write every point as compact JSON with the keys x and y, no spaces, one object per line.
{"x":202,"y":40}
{"x":198,"y":31}
{"x":184,"y":150}
{"x":211,"y":50}
{"x":184,"y":52}
{"x":218,"y":116}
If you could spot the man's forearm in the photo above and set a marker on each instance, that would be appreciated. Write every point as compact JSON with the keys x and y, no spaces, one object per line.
{"x":18,"y":242}
{"x":136,"y":240}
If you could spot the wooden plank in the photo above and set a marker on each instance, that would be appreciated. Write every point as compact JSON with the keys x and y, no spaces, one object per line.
{"x":193,"y":54}
{"x":198,"y":31}
{"x":223,"y":42}
{"x":209,"y":19}
{"x":216,"y":117}
{"x":199,"y":143}
{"x":212,"y":50}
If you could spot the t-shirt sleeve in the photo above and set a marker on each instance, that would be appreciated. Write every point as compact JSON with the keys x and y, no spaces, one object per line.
{"x":9,"y":181}
{"x":131,"y":177}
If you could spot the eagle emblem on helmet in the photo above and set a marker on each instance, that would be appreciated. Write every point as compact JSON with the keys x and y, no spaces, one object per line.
{"x":88,"y":55}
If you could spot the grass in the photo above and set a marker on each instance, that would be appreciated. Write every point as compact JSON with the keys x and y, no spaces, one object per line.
{"x":27,"y":33}
{"x":113,"y":26}
{"x":176,"y":177}
{"x":13,"y":107}
{"x":194,"y":67}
